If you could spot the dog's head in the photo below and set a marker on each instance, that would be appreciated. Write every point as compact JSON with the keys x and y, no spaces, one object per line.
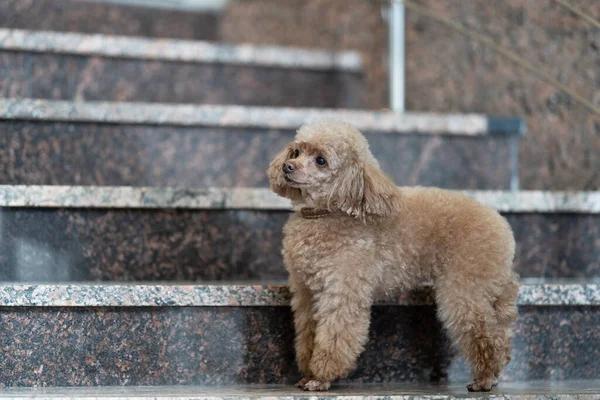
{"x":330,"y":166}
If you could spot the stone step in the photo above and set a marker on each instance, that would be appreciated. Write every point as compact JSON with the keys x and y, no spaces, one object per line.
{"x":73,"y":66}
{"x":111,"y":19}
{"x":529,"y":390}
{"x":532,"y":292}
{"x":119,"y":335}
{"x":62,"y":233}
{"x":140,"y":144}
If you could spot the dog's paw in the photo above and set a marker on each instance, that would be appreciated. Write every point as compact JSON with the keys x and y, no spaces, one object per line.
{"x":316,"y":386}
{"x":480,"y":385}
{"x":302,"y":382}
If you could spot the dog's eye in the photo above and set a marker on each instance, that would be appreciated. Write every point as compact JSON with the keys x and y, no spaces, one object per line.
{"x":296,"y":153}
{"x":320,"y":161}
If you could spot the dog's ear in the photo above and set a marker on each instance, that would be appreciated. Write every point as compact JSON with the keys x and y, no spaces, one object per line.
{"x":276,"y":180}
{"x":346,"y":194}
{"x":364,"y":190}
{"x":381,"y":195}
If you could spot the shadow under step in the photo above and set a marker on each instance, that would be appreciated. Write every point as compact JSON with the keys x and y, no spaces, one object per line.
{"x":141,"y":144}
{"x":76,"y":233}
{"x":71,"y":66}
{"x":148,"y":335}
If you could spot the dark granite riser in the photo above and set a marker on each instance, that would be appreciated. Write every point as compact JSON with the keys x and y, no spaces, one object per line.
{"x":38,"y":153}
{"x":90,"y":78}
{"x":74,"y":245}
{"x":101,"y":17}
{"x":225,"y":345}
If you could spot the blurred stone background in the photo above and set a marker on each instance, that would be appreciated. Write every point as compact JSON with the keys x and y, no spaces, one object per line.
{"x":448,"y":72}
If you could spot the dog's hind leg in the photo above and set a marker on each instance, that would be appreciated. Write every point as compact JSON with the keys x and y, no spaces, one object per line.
{"x":506,"y":348}
{"x":472,"y":324}
{"x":305,"y":327}
{"x":506,"y":314}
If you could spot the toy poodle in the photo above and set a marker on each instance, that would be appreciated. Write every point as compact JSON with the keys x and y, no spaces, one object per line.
{"x":356,"y":237}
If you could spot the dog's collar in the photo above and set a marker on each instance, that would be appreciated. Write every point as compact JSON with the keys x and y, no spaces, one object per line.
{"x":314,"y":213}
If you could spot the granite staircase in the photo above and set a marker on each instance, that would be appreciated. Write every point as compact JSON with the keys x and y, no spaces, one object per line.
{"x":140,"y":245}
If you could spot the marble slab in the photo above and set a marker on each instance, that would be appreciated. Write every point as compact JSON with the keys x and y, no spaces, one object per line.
{"x":536,"y":201}
{"x":176,"y":50}
{"x":51,"y":196}
{"x":245,"y":116}
{"x":211,"y":346}
{"x":529,"y":390}
{"x":42,"y":152}
{"x":579,"y":293}
{"x":74,"y":244}
{"x":97,"y":78}
{"x":108,"y":18}
{"x":136,"y":245}
{"x":119,"y":197}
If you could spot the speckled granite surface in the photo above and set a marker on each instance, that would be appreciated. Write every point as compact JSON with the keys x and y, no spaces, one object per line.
{"x":530,"y":390}
{"x":556,"y":245}
{"x":538,"y":201}
{"x":134,"y":197}
{"x":260,"y":199}
{"x":573,"y":293}
{"x":235,"y":234}
{"x":100,"y":154}
{"x":240,"y":116}
{"x":73,"y":244}
{"x":139,"y":245}
{"x":102,"y":17}
{"x":201,"y":146}
{"x":90,"y":77}
{"x":229,"y":345}
{"x":159,"y":295}
{"x":176,"y":50}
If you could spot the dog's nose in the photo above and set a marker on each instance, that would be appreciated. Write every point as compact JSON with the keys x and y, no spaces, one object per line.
{"x":288,"y":167}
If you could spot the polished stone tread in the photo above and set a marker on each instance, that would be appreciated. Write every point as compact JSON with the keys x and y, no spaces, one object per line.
{"x":534,"y":390}
{"x":55,"y":196}
{"x":176,"y":50}
{"x":252,"y":116}
{"x":111,"y":18}
{"x":531,"y":293}
{"x":60,"y":234}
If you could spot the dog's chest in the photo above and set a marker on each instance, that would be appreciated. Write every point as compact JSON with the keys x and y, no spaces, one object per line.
{"x":311,"y":245}
{"x":304,"y":240}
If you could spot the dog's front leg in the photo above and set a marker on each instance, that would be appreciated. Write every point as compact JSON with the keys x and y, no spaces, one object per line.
{"x":305,"y":327}
{"x":343,"y":313}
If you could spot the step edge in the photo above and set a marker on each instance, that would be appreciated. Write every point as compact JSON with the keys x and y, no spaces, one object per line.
{"x":213,"y":6}
{"x":138,"y":113}
{"x":260,"y":199}
{"x":567,"y":390}
{"x":246,"y":295}
{"x":177,"y":50}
